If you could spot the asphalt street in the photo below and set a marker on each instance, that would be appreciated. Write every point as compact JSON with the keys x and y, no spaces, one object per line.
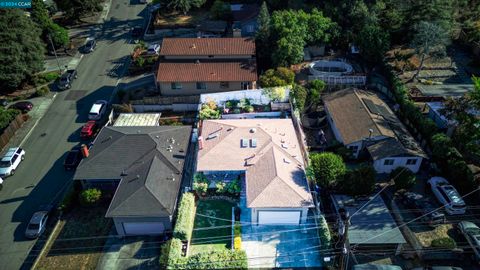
{"x":41,"y":177}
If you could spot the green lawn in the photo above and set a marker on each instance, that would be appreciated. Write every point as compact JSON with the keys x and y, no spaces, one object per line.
{"x":220,"y":210}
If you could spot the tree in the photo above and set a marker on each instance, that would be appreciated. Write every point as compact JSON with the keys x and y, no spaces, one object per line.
{"x":262,"y":37}
{"x":327,"y":168}
{"x":292,"y":30}
{"x":220,"y":10}
{"x":360,"y":181}
{"x":430,"y":39}
{"x":299,"y":93}
{"x":315,"y":88}
{"x":75,"y":9}
{"x":20,"y":54}
{"x":277,"y":77}
{"x":403,"y":178}
{"x":373,"y":42}
{"x":58,"y":34}
{"x":184,"y":5}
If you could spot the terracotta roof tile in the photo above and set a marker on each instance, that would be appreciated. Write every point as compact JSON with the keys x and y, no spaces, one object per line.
{"x":206,"y":72}
{"x":207,"y":46}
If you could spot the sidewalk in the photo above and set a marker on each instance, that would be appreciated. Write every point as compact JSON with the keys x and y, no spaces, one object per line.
{"x":40,"y":107}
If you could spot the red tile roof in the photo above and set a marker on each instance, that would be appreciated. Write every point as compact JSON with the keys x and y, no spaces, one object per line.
{"x":207,"y":46}
{"x":206,"y":72}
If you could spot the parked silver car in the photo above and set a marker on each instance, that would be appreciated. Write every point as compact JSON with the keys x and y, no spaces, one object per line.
{"x":38,"y":222}
{"x":447,"y":195}
{"x":471,"y":232}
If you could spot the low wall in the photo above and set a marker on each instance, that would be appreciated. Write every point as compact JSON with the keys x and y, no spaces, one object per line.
{"x":10,"y":130}
{"x":252,"y":115}
{"x":168,"y":107}
{"x":255,"y":96}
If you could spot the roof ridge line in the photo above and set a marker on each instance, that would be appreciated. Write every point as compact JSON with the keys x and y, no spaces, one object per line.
{"x":371,"y":116}
{"x":283,"y":180}
{"x":105,"y":148}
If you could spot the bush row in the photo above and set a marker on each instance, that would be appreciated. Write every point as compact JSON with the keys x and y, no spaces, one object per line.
{"x":324,"y":232}
{"x":450,"y":161}
{"x":185,"y":218}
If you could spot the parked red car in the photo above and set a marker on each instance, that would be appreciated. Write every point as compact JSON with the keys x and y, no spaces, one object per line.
{"x":89,"y":130}
{"x":24,"y":106}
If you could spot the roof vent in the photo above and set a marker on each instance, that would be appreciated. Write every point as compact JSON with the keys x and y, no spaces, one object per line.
{"x":171,"y":179}
{"x":169,"y":148}
{"x":253,"y":130}
{"x":286,"y":160}
{"x":213,"y":136}
{"x":193,"y":46}
{"x":124,"y":173}
{"x":284,"y":145}
{"x":253,"y":143}
{"x":197,"y":62}
{"x":158,"y":137}
{"x":230,"y":128}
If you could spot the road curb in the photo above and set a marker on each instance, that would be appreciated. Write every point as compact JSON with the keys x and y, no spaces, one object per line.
{"x":47,"y":243}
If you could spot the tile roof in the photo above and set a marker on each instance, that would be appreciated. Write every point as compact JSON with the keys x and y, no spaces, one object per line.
{"x":139,"y":158}
{"x":207,"y":46}
{"x":275,"y":174}
{"x":206,"y":72}
{"x":355,"y":112}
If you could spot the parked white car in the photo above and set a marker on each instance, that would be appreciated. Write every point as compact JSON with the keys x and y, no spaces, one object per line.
{"x":447,"y":195}
{"x":153,"y":49}
{"x":98,"y":110}
{"x":10,"y":161}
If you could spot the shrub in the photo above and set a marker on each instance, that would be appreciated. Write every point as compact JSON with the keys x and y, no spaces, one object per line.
{"x":200,"y":187}
{"x":233,"y":187}
{"x":275,"y":93}
{"x":460,"y":175}
{"x":277,"y":77}
{"x":89,"y":197}
{"x":209,"y":111}
{"x":230,"y":104}
{"x":220,"y":187}
{"x":42,"y":91}
{"x":299,"y":93}
{"x":171,"y":254}
{"x":219,"y":10}
{"x":46,"y":77}
{"x":444,"y":242}
{"x":324,"y":233}
{"x":248,"y":108}
{"x":185,"y":217}
{"x":7,"y":116}
{"x":122,"y":108}
{"x":140,"y":61}
{"x":222,"y":259}
{"x":360,"y":181}
{"x":327,"y":168}
{"x":236,"y":110}
{"x":403,"y":178}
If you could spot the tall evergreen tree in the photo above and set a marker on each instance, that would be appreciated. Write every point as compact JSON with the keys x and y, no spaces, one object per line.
{"x":262,"y":37}
{"x":50,"y":30}
{"x":21,"y":50}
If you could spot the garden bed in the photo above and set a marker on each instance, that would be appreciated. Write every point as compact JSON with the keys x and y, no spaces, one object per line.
{"x":219,"y":214}
{"x":87,"y":223}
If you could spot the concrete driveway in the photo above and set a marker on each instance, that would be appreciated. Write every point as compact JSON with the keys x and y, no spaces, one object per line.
{"x":281,"y":246}
{"x":131,"y":253}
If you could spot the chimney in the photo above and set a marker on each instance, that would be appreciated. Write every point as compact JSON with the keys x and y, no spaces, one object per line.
{"x":84,"y":150}
{"x":200,"y":142}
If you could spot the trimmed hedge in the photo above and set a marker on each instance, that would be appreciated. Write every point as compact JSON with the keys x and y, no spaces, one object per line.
{"x":185,"y":218}
{"x":444,"y":242}
{"x":324,"y":232}
{"x":171,"y":258}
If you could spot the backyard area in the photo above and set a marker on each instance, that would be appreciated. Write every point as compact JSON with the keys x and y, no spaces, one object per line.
{"x":67,"y":251}
{"x":219,"y":214}
{"x":178,"y":19}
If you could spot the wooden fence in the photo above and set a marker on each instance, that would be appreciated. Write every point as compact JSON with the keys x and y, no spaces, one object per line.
{"x":9,"y":131}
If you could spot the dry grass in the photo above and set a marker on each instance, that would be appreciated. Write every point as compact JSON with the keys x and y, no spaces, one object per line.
{"x":441,"y":231}
{"x":178,"y":19}
{"x":78,"y":254}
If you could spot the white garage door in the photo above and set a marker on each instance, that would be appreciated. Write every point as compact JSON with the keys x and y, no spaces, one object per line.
{"x":143,"y":228}
{"x":278,"y":217}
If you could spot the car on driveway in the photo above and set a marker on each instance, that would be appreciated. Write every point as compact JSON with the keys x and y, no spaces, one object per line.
{"x":471,"y":232}
{"x":153,"y":49}
{"x":38,"y":222}
{"x":65,"y":81}
{"x":72,"y":159}
{"x":423,"y":207}
{"x":447,"y":195}
{"x":89,"y":130}
{"x":98,"y":110}
{"x":90,"y":45}
{"x":24,"y":106}
{"x":10,"y":161}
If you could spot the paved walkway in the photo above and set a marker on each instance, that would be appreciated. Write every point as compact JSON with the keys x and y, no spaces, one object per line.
{"x":130,"y":253}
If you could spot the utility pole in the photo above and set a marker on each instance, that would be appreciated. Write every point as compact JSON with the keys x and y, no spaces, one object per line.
{"x":345,"y":222}
{"x":54,"y":52}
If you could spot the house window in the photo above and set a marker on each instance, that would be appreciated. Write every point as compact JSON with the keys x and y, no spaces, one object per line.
{"x":388,"y":162}
{"x":411,"y":161}
{"x":201,"y":86}
{"x":245,"y":85}
{"x":354,"y":148}
{"x":250,"y":28}
{"x":224,"y":85}
{"x":176,"y":86}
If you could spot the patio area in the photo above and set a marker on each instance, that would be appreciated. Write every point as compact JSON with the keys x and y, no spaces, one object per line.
{"x":270,"y":246}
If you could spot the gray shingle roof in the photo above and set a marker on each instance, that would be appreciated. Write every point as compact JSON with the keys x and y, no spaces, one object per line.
{"x":139,"y":156}
{"x":371,"y":225}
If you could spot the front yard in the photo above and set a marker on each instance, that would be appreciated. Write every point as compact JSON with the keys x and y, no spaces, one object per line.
{"x":213,"y":232}
{"x":78,"y":241}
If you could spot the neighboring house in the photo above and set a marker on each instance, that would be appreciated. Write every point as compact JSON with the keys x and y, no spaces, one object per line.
{"x":361,"y":120}
{"x":138,"y":119}
{"x":191,"y":66}
{"x":144,"y":165}
{"x":267,"y":154}
{"x":245,"y":19}
{"x":371,"y":223}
